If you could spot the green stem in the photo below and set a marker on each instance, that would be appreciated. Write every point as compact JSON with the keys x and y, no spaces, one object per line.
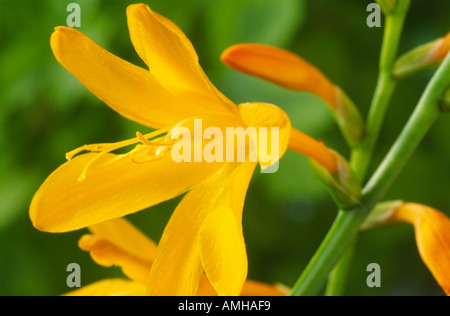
{"x":361,"y":155}
{"x":346,"y":227}
{"x":338,"y":277}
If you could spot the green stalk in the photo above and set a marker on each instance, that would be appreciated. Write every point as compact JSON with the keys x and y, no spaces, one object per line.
{"x":362,"y":154}
{"x":337,"y":280}
{"x":347,"y":225}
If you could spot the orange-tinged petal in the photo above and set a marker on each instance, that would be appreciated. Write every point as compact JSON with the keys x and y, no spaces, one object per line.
{"x":178,"y":268}
{"x":313,"y":149}
{"x":267,"y":117}
{"x":114,"y":186}
{"x":222,"y":251}
{"x":280,"y":67}
{"x":432,"y":230}
{"x":130,"y":90}
{"x":172,"y":59}
{"x":111,"y":287}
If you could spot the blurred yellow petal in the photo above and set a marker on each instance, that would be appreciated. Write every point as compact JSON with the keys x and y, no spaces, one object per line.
{"x":432,"y":230}
{"x":222,"y":252}
{"x":126,"y":236}
{"x":108,"y":254}
{"x":111,"y":287}
{"x":172,"y":59}
{"x":119,"y":243}
{"x":114,"y":186}
{"x":268,"y":116}
{"x":130,"y":90}
{"x":178,"y":268}
{"x":316,"y":150}
{"x":280,"y":67}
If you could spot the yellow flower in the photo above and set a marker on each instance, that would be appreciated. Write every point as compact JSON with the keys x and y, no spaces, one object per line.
{"x":119,"y":243}
{"x":432,"y":230}
{"x":204,"y":235}
{"x":293,"y":72}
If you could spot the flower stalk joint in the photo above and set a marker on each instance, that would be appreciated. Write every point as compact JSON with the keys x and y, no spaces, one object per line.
{"x":343,"y":184}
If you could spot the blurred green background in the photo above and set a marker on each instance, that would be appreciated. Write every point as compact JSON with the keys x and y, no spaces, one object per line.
{"x":45,"y":112}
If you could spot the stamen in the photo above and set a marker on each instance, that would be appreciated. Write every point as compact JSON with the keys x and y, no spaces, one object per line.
{"x":105,"y":148}
{"x":158,"y":156}
{"x":108,"y":147}
{"x":91,"y":148}
{"x":144,"y":140}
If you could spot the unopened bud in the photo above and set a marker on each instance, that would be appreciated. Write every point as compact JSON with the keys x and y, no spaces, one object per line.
{"x":343,"y":184}
{"x":423,"y":58}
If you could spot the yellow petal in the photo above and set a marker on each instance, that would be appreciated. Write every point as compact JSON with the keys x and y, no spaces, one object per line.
{"x":130,"y":90}
{"x":111,"y":287}
{"x":432,"y":236}
{"x":280,"y":67}
{"x":108,"y":254}
{"x":119,"y":243}
{"x":222,"y":252}
{"x":114,"y":186}
{"x":126,"y":236}
{"x":178,"y":268}
{"x":172,"y":59}
{"x":316,"y":150}
{"x":205,"y":288}
{"x":263,"y":116}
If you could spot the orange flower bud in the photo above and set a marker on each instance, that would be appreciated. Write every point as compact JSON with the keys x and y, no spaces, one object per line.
{"x":422,"y":58}
{"x":281,"y":67}
{"x":290,"y":71}
{"x":442,"y":48}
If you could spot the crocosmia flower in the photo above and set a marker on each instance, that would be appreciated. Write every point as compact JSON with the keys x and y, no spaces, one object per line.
{"x":204,"y":235}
